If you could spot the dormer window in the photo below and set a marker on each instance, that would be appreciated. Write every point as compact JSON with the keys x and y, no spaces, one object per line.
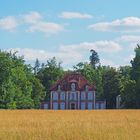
{"x":86,"y":88}
{"x":59,"y":88}
{"x":73,"y":87}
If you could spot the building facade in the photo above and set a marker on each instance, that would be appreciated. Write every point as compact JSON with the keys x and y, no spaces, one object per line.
{"x":73,"y":91}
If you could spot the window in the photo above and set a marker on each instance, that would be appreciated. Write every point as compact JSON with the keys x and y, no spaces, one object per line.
{"x":55,"y":96}
{"x":90,"y":96}
{"x":62,"y":96}
{"x":89,"y":105}
{"x":83,"y":105}
{"x":46,"y":106}
{"x":55,"y":106}
{"x":73,"y":87}
{"x":86,"y":88}
{"x":62,"y":106}
{"x":73,"y":96}
{"x":97,"y":105}
{"x":83,"y":96}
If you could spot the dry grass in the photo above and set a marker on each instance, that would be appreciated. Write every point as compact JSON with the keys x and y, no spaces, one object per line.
{"x":70,"y":125}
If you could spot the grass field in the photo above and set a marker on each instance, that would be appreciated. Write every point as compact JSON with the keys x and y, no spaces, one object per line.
{"x":70,"y":125}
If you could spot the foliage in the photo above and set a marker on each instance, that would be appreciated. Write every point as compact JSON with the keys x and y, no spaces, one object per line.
{"x":94,"y":58}
{"x":16,"y":86}
{"x":49,"y":74}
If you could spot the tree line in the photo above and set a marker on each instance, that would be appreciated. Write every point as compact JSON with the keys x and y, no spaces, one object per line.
{"x":24,"y":86}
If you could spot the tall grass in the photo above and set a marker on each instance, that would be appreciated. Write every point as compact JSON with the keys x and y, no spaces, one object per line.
{"x":69,"y":125}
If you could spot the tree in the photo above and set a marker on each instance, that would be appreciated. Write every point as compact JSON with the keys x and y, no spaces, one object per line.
{"x":135,"y":75}
{"x":94,"y":58}
{"x":16,"y":83}
{"x":49,"y":74}
{"x":111,"y":87}
{"x":36,"y":67}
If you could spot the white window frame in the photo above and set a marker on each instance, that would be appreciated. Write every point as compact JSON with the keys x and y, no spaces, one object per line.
{"x":90,"y":105}
{"x":55,"y":96}
{"x":71,"y":96}
{"x":83,"y":95}
{"x":83,"y":105}
{"x":62,"y":96}
{"x":90,"y":95}
{"x":62,"y":106}
{"x":55,"y":106}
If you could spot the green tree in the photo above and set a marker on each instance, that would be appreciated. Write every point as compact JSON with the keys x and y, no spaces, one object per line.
{"x":111,"y":87}
{"x":49,"y":74}
{"x":16,"y":83}
{"x":94,"y":58}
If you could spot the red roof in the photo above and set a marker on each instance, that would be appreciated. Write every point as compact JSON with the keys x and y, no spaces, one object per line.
{"x":79,"y":80}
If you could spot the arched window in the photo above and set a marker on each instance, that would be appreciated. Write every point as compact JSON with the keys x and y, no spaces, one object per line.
{"x":62,"y":96}
{"x":55,"y":96}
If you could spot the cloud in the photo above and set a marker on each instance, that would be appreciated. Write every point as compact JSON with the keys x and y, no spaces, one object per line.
{"x":46,"y":27}
{"x":32,"y":17}
{"x":129,"y":38}
{"x":100,"y":46}
{"x":69,"y":54}
{"x":129,"y":58}
{"x":107,"y":62}
{"x":33,"y":21}
{"x":43,"y":55}
{"x":128,"y":24}
{"x":75,"y":15}
{"x":8,"y":23}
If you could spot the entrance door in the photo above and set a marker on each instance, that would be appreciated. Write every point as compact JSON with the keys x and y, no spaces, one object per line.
{"x":73,"y":106}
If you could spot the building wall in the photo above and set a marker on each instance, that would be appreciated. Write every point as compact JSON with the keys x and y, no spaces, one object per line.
{"x":65,"y":100}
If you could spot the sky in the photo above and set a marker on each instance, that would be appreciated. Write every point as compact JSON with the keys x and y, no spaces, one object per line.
{"x":68,"y":30}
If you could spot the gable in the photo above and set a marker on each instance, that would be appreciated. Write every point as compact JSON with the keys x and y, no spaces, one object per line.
{"x":79,"y":80}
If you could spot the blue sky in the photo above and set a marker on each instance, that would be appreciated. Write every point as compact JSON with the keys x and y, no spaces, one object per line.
{"x":68,"y":30}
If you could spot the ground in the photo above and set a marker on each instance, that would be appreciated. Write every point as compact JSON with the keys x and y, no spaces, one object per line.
{"x":69,"y":125}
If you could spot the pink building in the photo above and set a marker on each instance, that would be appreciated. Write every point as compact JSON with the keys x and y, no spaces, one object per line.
{"x":73,"y":91}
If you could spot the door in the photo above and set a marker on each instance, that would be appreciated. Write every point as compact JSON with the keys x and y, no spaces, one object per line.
{"x":73,"y":106}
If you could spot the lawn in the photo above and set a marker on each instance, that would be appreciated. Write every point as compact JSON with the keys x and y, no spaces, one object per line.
{"x":69,"y":125}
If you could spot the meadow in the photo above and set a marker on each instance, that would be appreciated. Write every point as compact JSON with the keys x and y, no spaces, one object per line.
{"x":69,"y":125}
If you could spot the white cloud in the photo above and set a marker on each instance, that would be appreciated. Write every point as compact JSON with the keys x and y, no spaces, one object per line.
{"x":129,"y":58}
{"x":100,"y":46}
{"x":43,"y":55}
{"x":130,"y":38}
{"x":70,"y":54}
{"x":34,"y":22}
{"x":8,"y":23}
{"x":107,"y":62}
{"x":32,"y":17}
{"x":46,"y":27}
{"x":128,"y":24}
{"x":75,"y":15}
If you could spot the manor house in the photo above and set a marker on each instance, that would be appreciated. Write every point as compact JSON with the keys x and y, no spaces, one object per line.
{"x":74,"y":92}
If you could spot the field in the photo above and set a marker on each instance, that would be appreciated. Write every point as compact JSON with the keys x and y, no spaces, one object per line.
{"x":70,"y":125}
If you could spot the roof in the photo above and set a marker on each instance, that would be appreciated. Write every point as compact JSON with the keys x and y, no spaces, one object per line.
{"x":79,"y":80}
